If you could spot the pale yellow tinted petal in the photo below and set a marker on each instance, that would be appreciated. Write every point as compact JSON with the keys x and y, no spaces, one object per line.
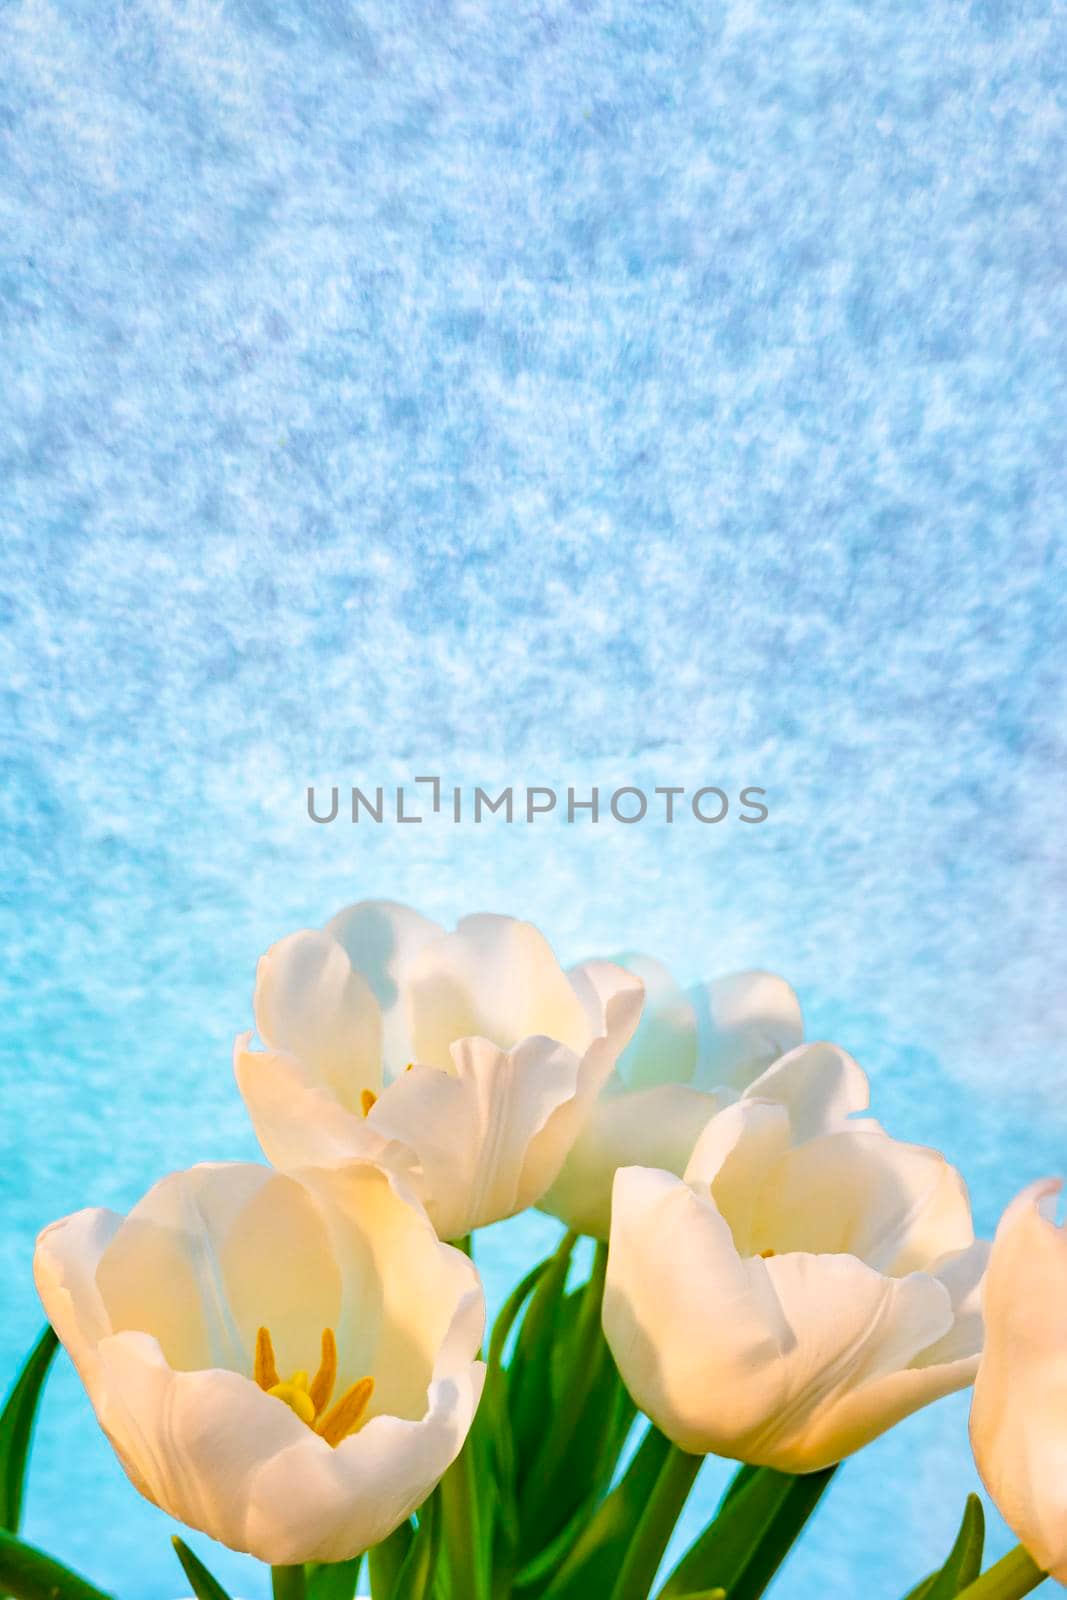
{"x":382,"y":939}
{"x":896,"y":1206}
{"x":654,"y":1127}
{"x":745,"y":1021}
{"x":697,"y":1333}
{"x":664,"y":1048}
{"x":1019,"y":1412}
{"x":310,"y":1004}
{"x":494,"y":978}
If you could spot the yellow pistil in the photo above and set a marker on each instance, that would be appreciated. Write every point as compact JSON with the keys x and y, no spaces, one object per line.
{"x":309,"y":1401}
{"x":367,"y":1101}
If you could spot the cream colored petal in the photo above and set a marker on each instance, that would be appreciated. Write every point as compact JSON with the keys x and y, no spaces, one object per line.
{"x":413,"y":1309}
{"x":382,"y":939}
{"x":664,"y":1048}
{"x":821,"y":1085}
{"x":612,"y":1000}
{"x":695,"y":1331}
{"x":494,"y":978}
{"x":314,"y":1505}
{"x":211,"y":1254}
{"x":898,"y":1207}
{"x":745,"y":1021}
{"x":736,"y":1157}
{"x":1019,"y":1412}
{"x":309,"y":1003}
{"x":475,"y":1130}
{"x":963,"y":1274}
{"x":192,"y":1442}
{"x":654,"y":1127}
{"x":298,"y":1120}
{"x":64,"y":1268}
{"x":851,"y":1328}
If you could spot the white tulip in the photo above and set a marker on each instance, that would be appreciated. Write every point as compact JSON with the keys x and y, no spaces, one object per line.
{"x":195,"y":1322}
{"x":467,"y":1060}
{"x":1019,"y":1411}
{"x":692,"y":1053}
{"x":809,"y":1282}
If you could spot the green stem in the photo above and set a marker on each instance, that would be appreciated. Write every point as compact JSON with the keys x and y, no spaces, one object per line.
{"x":1012,"y":1576}
{"x":287,"y":1583}
{"x":567,"y":1413}
{"x":462,"y":1534}
{"x":653,"y":1531}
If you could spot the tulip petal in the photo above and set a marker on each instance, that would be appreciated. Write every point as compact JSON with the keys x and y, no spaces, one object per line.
{"x":745,"y":1020}
{"x":854,"y":1332}
{"x":896,"y":1206}
{"x":1019,"y":1413}
{"x":654,"y":1127}
{"x":311,"y":1004}
{"x":298,"y":1120}
{"x":382,"y":939}
{"x":209,"y":1255}
{"x":820,"y":1084}
{"x":695,"y":1331}
{"x":317,"y":1504}
{"x":476,"y":1130}
{"x":664,"y":1047}
{"x":493,"y":978}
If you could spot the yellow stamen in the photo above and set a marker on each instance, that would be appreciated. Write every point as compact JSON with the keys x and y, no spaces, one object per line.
{"x":322,"y":1383}
{"x":766,"y":1254}
{"x":367,"y":1101}
{"x":409,"y":1066}
{"x":344,"y":1418}
{"x":265,"y":1369}
{"x":296,"y":1398}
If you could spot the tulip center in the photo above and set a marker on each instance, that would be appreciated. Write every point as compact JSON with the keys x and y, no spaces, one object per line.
{"x":310,"y":1398}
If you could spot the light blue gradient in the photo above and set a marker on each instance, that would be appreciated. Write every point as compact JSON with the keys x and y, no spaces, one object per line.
{"x":562,"y":393}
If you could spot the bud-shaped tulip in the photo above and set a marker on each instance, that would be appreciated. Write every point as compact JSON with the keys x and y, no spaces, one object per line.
{"x":808,"y":1282}
{"x":466,"y":1060}
{"x":285,"y":1362}
{"x":692,"y":1053}
{"x":1019,"y":1411}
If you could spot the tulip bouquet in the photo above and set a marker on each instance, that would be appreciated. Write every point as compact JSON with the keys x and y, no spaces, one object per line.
{"x":292,"y":1357}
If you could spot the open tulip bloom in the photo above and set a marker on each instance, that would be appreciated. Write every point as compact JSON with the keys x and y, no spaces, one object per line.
{"x":468,"y":1060}
{"x":286,"y":1362}
{"x":290,"y":1358}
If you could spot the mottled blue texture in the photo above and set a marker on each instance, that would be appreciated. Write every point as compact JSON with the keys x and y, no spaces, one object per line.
{"x":573,"y":392}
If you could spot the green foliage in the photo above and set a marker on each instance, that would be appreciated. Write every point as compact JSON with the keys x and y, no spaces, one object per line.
{"x":204,"y":1585}
{"x":964,"y":1561}
{"x":758,"y":1523}
{"x":333,"y":1580}
{"x":386,"y":1561}
{"x":16,"y":1428}
{"x":28,"y":1574}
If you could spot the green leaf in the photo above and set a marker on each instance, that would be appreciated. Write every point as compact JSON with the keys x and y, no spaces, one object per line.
{"x":333,"y":1580}
{"x":386,"y":1561}
{"x":204,"y":1585}
{"x":964,"y":1561}
{"x":28,"y":1574}
{"x":416,"y":1577}
{"x":756,"y":1527}
{"x":530,"y":1368}
{"x":16,"y":1428}
{"x":594,"y":1562}
{"x":559,"y":1478}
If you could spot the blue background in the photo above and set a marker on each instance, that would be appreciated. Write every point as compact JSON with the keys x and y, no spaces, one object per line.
{"x":559,"y":393}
